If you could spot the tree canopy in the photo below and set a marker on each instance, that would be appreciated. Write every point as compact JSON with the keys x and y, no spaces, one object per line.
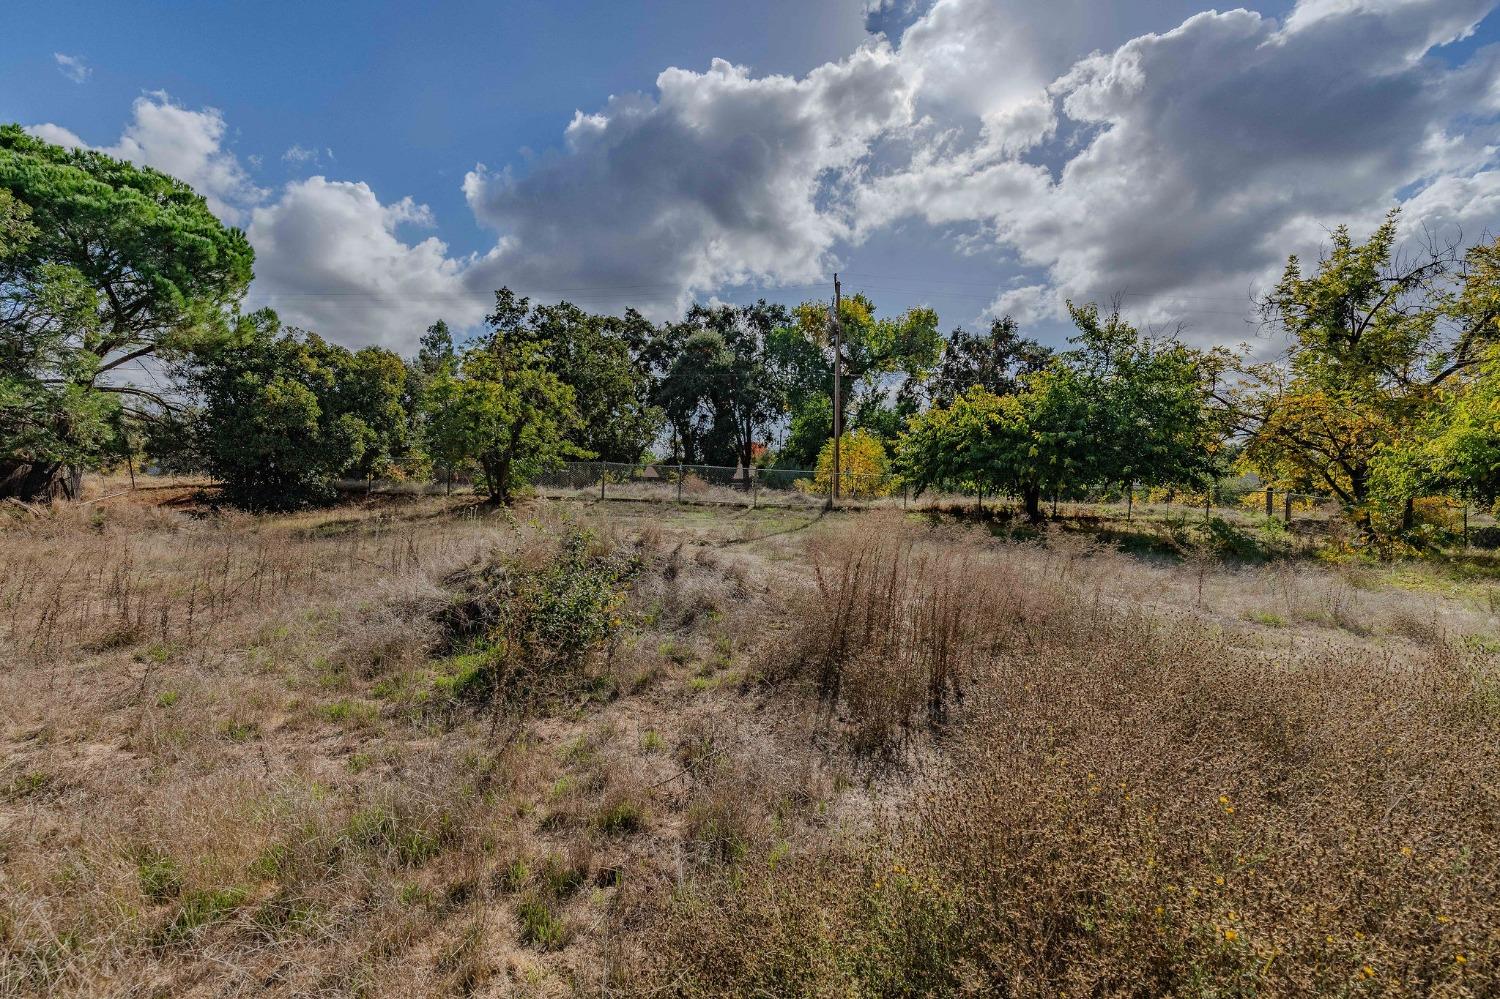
{"x":112,"y":265}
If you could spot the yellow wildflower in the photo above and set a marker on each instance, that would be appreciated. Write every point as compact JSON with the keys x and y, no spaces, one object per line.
{"x":1230,"y":935}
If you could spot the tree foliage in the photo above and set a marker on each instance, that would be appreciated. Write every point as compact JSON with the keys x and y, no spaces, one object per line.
{"x":1374,"y":340}
{"x":282,"y":413}
{"x":113,"y":264}
{"x":1118,"y":408}
{"x":502,"y":407}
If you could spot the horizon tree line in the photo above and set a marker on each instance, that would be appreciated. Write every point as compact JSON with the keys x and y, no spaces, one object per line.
{"x":1388,"y":388}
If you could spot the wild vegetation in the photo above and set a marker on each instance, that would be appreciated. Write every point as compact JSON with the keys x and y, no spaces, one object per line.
{"x":423,"y":747}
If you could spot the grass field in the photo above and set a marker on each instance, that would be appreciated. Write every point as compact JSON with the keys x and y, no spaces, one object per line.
{"x":413,"y":746}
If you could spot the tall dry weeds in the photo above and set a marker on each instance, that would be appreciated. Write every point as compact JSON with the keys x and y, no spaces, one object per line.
{"x":1127,"y":801}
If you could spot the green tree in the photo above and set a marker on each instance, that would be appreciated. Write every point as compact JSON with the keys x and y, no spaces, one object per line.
{"x":118,"y":265}
{"x":981,"y":442}
{"x":371,"y":388}
{"x":1119,"y":407}
{"x":599,"y":358}
{"x":723,"y":387}
{"x":995,"y":361}
{"x":277,"y":419}
{"x":503,"y":408}
{"x":886,"y":361}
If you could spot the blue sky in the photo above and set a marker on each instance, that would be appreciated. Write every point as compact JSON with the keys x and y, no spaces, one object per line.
{"x":981,"y":156}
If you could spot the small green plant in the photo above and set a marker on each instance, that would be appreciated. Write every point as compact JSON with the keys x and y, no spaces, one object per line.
{"x":652,"y":742}
{"x":620,"y":818}
{"x":514,"y":876}
{"x":240,"y":731}
{"x":197,"y":910}
{"x":541,"y":926}
{"x":167,"y":698}
{"x":28,"y":785}
{"x":1267,"y":618}
{"x":159,"y":875}
{"x":347,"y":711}
{"x":561,"y":876}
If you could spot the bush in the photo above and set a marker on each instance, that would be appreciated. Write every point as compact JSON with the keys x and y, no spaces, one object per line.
{"x":530,"y":622}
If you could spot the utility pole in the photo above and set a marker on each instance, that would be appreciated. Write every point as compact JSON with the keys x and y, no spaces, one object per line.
{"x":838,"y":389}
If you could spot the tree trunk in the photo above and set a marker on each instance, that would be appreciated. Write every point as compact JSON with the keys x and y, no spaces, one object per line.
{"x":40,"y":481}
{"x":1031,"y":495}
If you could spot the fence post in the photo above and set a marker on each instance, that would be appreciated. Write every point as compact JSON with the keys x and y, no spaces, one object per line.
{"x":679,"y":483}
{"x":1286,"y":507}
{"x":906,"y":501}
{"x":1270,"y":508}
{"x":1129,"y":501}
{"x":603,"y":473}
{"x":1466,"y":524}
{"x":754,"y":488}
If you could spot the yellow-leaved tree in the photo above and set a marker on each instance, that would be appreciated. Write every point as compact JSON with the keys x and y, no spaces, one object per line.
{"x":864,"y":472}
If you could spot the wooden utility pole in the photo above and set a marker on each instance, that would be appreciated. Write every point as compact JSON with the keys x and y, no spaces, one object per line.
{"x":838,"y":389}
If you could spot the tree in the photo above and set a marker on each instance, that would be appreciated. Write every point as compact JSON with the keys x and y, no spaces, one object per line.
{"x":885,"y":363}
{"x":1119,"y":407}
{"x":995,"y":361}
{"x":503,"y":408}
{"x":371,"y":388}
{"x":863,"y":468}
{"x":723,"y":386}
{"x":279,"y":415}
{"x":1454,"y":449}
{"x":1373,"y":340}
{"x":599,"y":357}
{"x":981,"y":442}
{"x":118,"y":265}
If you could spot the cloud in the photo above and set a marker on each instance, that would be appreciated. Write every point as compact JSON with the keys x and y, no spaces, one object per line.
{"x":1086,"y":149}
{"x":73,"y":67}
{"x":188,"y":145}
{"x":329,"y":257}
{"x":1181,"y":167}
{"x":719,"y":178}
{"x":300,"y":155}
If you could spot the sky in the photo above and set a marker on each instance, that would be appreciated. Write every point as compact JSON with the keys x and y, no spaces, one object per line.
{"x":395,"y":163}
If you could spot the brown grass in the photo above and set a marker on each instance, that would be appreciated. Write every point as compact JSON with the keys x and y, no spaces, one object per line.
{"x":1119,"y":801}
{"x":857,"y":756}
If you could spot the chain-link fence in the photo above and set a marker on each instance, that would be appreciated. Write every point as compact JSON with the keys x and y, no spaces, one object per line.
{"x":719,"y":485}
{"x":1241,"y":500}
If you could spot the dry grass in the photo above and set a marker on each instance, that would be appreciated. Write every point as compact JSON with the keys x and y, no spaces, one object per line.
{"x":401,"y":749}
{"x":1110,"y":798}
